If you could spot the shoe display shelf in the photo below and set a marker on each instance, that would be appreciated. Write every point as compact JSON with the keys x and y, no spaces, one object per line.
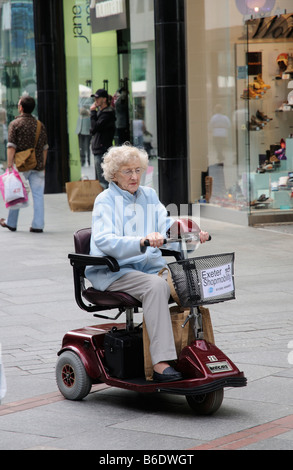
{"x":284,"y":90}
{"x":273,"y":104}
{"x":268,"y":183}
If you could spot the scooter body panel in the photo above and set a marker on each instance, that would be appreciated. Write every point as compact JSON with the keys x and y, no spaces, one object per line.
{"x":204,"y":366}
{"x":85,"y":342}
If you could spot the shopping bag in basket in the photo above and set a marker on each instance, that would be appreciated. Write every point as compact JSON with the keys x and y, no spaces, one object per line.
{"x":182,"y":336}
{"x":81,"y":195}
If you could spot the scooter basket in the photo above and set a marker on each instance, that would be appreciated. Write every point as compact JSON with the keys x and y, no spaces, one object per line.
{"x":204,"y":280}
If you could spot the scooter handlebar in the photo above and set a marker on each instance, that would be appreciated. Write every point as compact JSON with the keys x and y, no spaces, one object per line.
{"x":147,"y":242}
{"x":189,"y":238}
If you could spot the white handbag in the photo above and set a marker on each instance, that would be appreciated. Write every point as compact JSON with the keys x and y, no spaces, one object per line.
{"x":13,"y":187}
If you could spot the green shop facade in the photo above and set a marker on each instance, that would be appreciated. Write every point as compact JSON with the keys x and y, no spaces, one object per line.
{"x":205,"y":86}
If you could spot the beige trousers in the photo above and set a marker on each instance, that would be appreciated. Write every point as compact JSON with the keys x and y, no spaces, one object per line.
{"x":154,"y":293}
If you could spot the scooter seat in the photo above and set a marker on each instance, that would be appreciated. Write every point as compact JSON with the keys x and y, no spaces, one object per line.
{"x":98,"y":301}
{"x":110,"y":299}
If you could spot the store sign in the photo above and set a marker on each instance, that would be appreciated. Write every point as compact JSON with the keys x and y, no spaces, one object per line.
{"x":81,"y":21}
{"x":107,"y":15}
{"x":274,"y":27}
{"x":109,"y":8}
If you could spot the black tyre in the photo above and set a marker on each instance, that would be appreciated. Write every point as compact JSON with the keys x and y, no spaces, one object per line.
{"x":207,"y":403}
{"x":71,"y":376}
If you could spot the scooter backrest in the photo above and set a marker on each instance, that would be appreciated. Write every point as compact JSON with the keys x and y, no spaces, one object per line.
{"x":82,"y":240}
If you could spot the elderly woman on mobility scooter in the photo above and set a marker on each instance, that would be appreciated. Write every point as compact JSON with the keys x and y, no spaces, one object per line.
{"x":124,"y":216}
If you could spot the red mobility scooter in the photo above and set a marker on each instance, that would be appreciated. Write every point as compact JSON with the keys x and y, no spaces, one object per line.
{"x":112,"y":353}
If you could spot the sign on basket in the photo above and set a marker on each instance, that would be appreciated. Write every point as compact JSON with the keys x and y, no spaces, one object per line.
{"x":216,"y":281}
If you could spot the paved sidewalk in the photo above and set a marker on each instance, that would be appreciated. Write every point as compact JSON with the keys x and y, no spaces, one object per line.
{"x":37,"y":308}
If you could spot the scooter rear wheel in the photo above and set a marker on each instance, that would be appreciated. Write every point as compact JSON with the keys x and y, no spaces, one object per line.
{"x":71,"y":377}
{"x":207,"y":403}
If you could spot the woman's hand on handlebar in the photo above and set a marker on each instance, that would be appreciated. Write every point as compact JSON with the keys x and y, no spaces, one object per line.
{"x":155,"y":239}
{"x":204,"y":236}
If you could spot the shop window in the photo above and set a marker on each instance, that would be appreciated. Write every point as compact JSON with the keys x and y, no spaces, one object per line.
{"x":267,"y":99}
{"x":122,"y":61}
{"x":17,"y":62}
{"x":143,"y":84}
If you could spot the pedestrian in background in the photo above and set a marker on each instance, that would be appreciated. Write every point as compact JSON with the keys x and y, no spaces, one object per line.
{"x":21,"y":136}
{"x":102,"y":130}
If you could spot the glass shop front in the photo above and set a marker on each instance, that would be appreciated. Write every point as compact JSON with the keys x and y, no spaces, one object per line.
{"x":239,"y":93}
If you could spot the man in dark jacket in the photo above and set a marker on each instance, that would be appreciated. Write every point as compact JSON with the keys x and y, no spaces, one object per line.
{"x":102,"y":130}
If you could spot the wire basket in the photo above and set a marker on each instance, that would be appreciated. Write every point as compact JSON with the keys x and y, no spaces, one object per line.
{"x":204,"y":280}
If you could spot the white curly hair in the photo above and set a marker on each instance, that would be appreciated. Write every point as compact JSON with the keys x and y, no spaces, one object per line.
{"x":116,"y":157}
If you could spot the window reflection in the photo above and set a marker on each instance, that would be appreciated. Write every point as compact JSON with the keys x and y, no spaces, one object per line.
{"x":17,"y":62}
{"x":143,"y":85}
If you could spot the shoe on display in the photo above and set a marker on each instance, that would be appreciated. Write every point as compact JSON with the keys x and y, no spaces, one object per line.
{"x":253,"y":94}
{"x":260,"y":81}
{"x":283,"y":182}
{"x":284,"y":107}
{"x":281,"y":154}
{"x":262,"y":117}
{"x":257,"y":87}
{"x":252,"y":127}
{"x":245,"y":95}
{"x":263,"y":198}
{"x":274,"y":186}
{"x":249,"y":93}
{"x":262,"y":202}
{"x":282,"y":61}
{"x":254,"y":121}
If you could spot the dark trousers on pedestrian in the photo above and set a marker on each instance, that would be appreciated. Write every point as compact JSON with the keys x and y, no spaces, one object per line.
{"x":99,"y":171}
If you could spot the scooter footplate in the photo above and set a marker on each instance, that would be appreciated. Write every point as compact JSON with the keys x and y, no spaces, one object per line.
{"x":208,"y":388}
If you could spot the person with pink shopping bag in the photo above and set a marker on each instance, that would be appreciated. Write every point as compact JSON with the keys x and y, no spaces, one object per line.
{"x":22,"y":136}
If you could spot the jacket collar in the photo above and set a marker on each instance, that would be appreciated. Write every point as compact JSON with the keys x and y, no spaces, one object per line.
{"x":121,"y":192}
{"x":24,"y":115}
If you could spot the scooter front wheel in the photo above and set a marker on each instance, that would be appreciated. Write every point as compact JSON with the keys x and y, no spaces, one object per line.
{"x":207,"y":403}
{"x":71,"y":376}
